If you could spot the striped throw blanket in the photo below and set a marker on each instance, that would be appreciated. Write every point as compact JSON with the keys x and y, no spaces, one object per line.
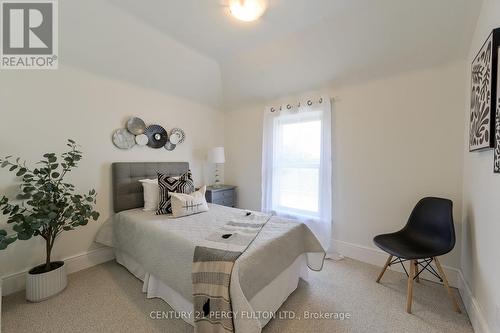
{"x":213,"y":263}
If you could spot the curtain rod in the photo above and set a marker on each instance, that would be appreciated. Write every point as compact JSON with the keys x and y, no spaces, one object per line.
{"x":289,"y":106}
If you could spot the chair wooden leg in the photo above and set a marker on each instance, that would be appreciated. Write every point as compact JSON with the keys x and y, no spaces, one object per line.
{"x":409,"y":296}
{"x":454,"y":302}
{"x":417,"y":279}
{"x":384,"y":269}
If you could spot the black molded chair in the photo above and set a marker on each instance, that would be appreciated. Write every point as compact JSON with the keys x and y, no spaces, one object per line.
{"x":429,"y":233}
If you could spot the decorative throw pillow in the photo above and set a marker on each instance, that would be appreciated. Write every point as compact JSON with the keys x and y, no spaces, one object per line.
{"x":151,"y":194}
{"x":188,"y":204}
{"x":182,"y":184}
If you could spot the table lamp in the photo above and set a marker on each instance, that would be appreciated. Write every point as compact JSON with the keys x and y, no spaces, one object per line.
{"x":216,"y":155}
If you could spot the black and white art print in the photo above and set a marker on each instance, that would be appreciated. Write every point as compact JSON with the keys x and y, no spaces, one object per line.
{"x":497,"y":135}
{"x":496,"y":159}
{"x":483,"y":95}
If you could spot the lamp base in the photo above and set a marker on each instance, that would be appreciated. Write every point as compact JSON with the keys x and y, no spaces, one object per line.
{"x":217,"y":183}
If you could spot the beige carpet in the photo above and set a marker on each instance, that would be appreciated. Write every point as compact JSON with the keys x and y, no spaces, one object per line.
{"x":106,"y":298}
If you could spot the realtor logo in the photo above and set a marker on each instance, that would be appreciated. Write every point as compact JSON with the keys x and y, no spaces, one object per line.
{"x":29,"y":35}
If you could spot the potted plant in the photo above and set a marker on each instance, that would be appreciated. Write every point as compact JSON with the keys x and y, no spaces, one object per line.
{"x":48,"y":206}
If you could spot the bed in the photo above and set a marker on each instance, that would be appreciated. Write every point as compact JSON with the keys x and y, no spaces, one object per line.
{"x":158,"y":249}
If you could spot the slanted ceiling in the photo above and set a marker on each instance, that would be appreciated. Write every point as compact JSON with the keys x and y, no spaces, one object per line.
{"x":300,"y":45}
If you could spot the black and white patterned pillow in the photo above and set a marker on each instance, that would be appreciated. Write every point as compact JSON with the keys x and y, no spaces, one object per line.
{"x":182,"y":184}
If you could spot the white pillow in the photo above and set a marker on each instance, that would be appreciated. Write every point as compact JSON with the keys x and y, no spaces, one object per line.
{"x":188,"y":204}
{"x":151,"y":194}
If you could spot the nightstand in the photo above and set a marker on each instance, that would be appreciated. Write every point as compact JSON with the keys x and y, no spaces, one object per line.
{"x":224,"y":195}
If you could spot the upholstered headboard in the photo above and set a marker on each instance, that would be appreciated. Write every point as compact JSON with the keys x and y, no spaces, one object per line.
{"x":127,"y":190}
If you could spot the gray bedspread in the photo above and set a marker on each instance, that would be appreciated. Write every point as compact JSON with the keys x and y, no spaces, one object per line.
{"x":165,"y":246}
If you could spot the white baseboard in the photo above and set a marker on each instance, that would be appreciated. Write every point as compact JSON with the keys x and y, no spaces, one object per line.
{"x":378,"y":257}
{"x":16,"y":282}
{"x":476,"y":317}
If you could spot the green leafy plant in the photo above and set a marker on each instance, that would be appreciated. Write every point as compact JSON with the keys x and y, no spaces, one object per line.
{"x":49,"y":205}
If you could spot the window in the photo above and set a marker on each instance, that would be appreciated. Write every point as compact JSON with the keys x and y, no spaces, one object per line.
{"x":296,"y":165}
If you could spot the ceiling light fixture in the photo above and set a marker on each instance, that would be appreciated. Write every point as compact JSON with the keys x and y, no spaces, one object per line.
{"x":247,"y":10}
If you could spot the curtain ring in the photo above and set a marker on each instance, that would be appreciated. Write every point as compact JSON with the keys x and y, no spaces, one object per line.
{"x":272,"y":109}
{"x":321,"y":100}
{"x":288,"y":106}
{"x":309,"y":103}
{"x":280,"y":108}
{"x":298,"y":105}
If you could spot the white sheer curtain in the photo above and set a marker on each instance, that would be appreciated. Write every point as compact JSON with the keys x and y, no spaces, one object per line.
{"x":297,"y":164}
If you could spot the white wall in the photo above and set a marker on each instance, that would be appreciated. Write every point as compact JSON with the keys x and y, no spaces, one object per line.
{"x":39,"y":110}
{"x":395,"y":140}
{"x":481,"y":201}
{"x":108,"y":73}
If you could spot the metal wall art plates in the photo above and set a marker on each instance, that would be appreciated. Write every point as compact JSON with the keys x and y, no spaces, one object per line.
{"x":170,"y":146}
{"x":157,"y":136}
{"x":177,"y":136}
{"x":136,"y":126}
{"x":154,"y":136}
{"x":123,"y":139}
{"x":141,"y":139}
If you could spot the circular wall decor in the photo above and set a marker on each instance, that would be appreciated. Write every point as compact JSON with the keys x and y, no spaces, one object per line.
{"x":169,"y":146}
{"x":141,"y":139}
{"x":177,"y":136}
{"x":157,"y":136}
{"x":123,"y":139}
{"x":136,"y":125}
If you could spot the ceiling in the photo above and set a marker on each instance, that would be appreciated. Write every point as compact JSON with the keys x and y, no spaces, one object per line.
{"x":301,"y":45}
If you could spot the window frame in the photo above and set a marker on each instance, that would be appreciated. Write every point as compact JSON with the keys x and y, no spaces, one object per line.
{"x":278,"y":164}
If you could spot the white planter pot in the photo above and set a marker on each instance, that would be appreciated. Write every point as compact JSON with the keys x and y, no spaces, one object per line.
{"x":41,"y":286}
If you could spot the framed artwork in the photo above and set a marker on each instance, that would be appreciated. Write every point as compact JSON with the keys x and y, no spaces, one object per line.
{"x":497,"y":144}
{"x":483,"y":105}
{"x":496,"y":163}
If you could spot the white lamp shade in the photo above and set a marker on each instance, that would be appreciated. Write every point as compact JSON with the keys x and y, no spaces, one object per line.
{"x":216,"y":155}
